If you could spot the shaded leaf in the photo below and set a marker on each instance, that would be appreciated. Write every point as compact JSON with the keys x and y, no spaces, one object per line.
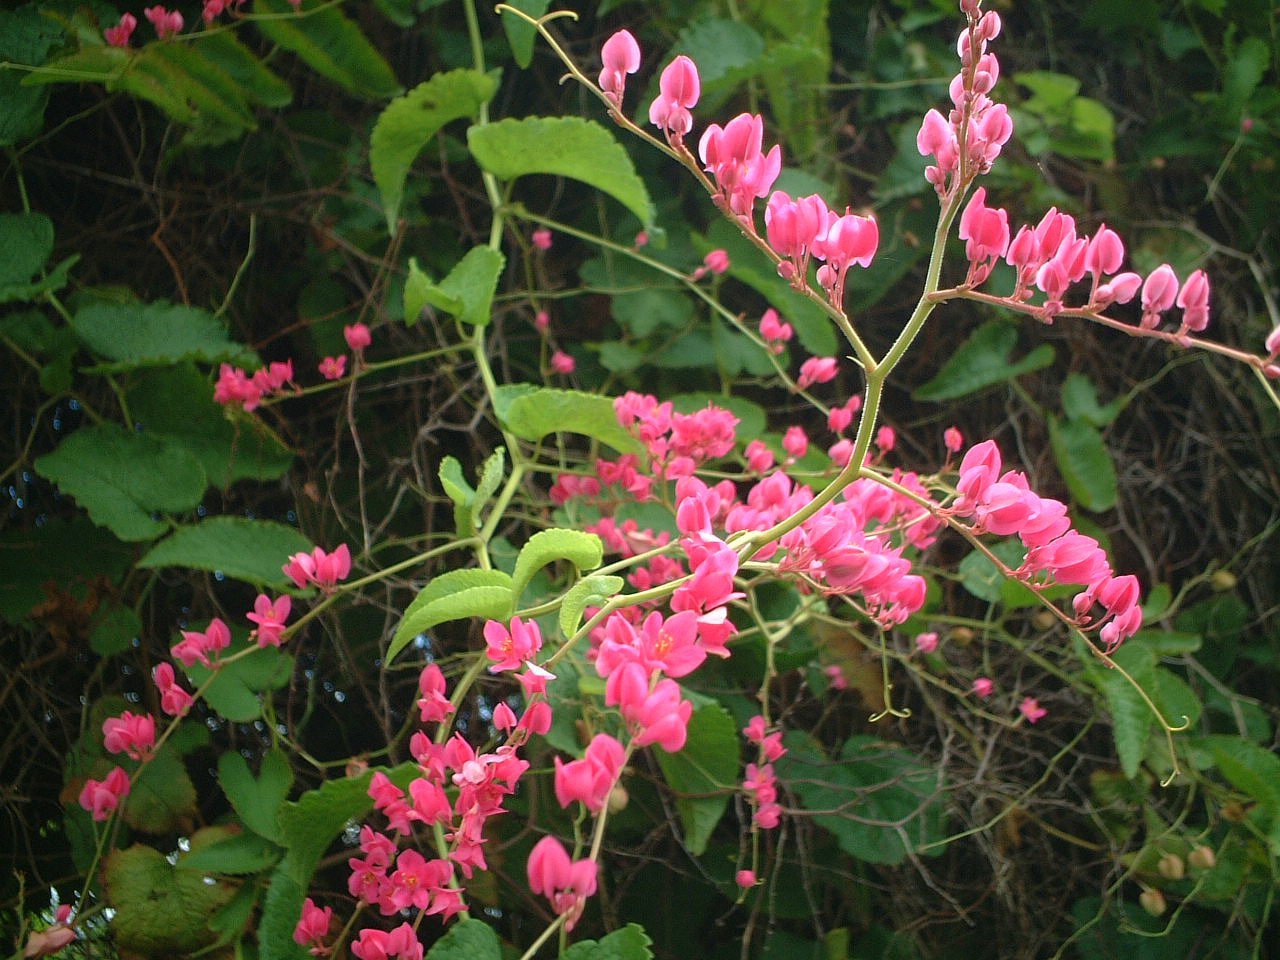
{"x":257,"y":800}
{"x":583,"y":550}
{"x":60,"y":556}
{"x":983,"y":360}
{"x":629,"y":943}
{"x":237,"y":686}
{"x":455,"y":595}
{"x":704,"y":774}
{"x":469,"y":940}
{"x":1085,"y":463}
{"x":26,"y":241}
{"x":564,"y":147}
{"x":161,"y":797}
{"x":411,"y":121}
{"x":242,"y":854}
{"x":331,"y":44}
{"x":520,"y":34}
{"x":1131,"y":718}
{"x":467,"y":292}
{"x":251,"y":550}
{"x":155,"y":334}
{"x":26,"y":37}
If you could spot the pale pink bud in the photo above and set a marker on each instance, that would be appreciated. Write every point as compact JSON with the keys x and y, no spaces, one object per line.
{"x":542,"y":321}
{"x":1122,"y":288}
{"x":816,"y":370}
{"x":745,"y":879}
{"x":796,"y":442}
{"x":1193,"y":298}
{"x":952,"y":439}
{"x":542,"y":238}
{"x":621,"y":56}
{"x":357,"y":336}
{"x":886,"y":439}
{"x":1159,"y":290}
{"x":118,"y":36}
{"x":1105,"y":252}
{"x":1272,"y":343}
{"x":927,"y":642}
{"x":984,"y":687}
{"x":679,"y":82}
{"x":717,"y":261}
{"x":562,"y":363}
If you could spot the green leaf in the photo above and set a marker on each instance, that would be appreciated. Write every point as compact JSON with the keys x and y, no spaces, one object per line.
{"x":629,"y":943}
{"x":63,"y":555}
{"x":983,"y":361}
{"x":176,"y":404}
{"x":461,"y":493}
{"x":491,"y":474}
{"x":455,"y":595}
{"x":1049,"y":90}
{"x":155,"y":334}
{"x":27,"y":242}
{"x":120,"y":478}
{"x":1251,"y":769}
{"x":240,"y":855}
{"x":26,"y":37}
{"x":583,"y":550}
{"x":1131,"y":718}
{"x":1080,"y":402}
{"x":251,"y":550}
{"x":588,"y":592}
{"x":1085,"y":463}
{"x":238,"y":685}
{"x":870,"y":784}
{"x":162,"y":797}
{"x":721,"y":49}
{"x":467,"y":292}
{"x":643,"y":311}
{"x":330,"y":44}
{"x":703,"y":775}
{"x":521,"y":34}
{"x":1244,"y":71}
{"x":114,"y":631}
{"x":411,"y":121}
{"x":564,"y":147}
{"x":469,"y":940}
{"x":251,"y":76}
{"x":532,"y":413}
{"x":257,"y":800}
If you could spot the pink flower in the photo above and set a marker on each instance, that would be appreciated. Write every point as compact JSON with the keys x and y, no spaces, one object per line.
{"x":621,"y":56}
{"x":759,"y":457}
{"x":984,"y":687}
{"x":886,"y":439}
{"x":44,"y":943}
{"x":508,"y":648}
{"x":1159,"y":291}
{"x":319,"y":568}
{"x":270,"y":616}
{"x":745,"y":879}
{"x":817,"y":370}
{"x":732,"y":154}
{"x":541,"y":238}
{"x":102,"y":797}
{"x":542,"y":321}
{"x":333,"y":368}
{"x":562,"y":363}
{"x":166,"y":22}
{"x":313,"y":926}
{"x":1193,"y":298}
{"x":433,"y":704}
{"x":987,"y":231}
{"x":195,"y":647}
{"x":679,"y":89}
{"x":774,"y":331}
{"x":213,"y":9}
{"x":567,"y":884}
{"x":173,"y":699}
{"x":357,"y":336}
{"x":849,"y":239}
{"x":952,"y":439}
{"x":1031,"y":709}
{"x":130,"y":733}
{"x":1105,"y":253}
{"x":927,"y":642}
{"x":590,"y":780}
{"x":401,"y":943}
{"x":118,"y":36}
{"x":717,"y":261}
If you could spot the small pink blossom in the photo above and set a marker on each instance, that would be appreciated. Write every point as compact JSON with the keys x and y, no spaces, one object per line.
{"x":542,"y":321}
{"x":313,"y":927}
{"x":130,"y":733}
{"x":795,"y":441}
{"x":333,"y":368}
{"x":927,"y":642}
{"x":542,"y":238}
{"x":101,"y":797}
{"x":717,"y":261}
{"x":984,"y":687}
{"x":817,"y":370}
{"x":774,"y":331}
{"x":357,"y":336}
{"x":562,"y":363}
{"x":745,"y":879}
{"x":952,"y":439}
{"x":433,"y":703}
{"x":118,"y":36}
{"x":270,"y":616}
{"x":567,"y":884}
{"x":196,"y":647}
{"x":509,"y":647}
{"x":1159,"y":291}
{"x":620,"y":56}
{"x":678,"y":91}
{"x":1031,"y":709}
{"x":886,"y":439}
{"x":167,"y":22}
{"x":324,"y":570}
{"x":174,"y":700}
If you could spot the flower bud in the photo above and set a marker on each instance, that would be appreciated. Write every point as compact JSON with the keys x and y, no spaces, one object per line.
{"x":1043,"y":620}
{"x":1223,"y":580}
{"x":1202,"y":858}
{"x":618,"y":798}
{"x":1153,"y":902}
{"x":1171,"y":867}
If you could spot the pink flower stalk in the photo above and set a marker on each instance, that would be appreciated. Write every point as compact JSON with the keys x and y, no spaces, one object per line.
{"x":509,"y":648}
{"x":1031,"y":709}
{"x":357,"y":336}
{"x":400,"y":944}
{"x":433,"y":703}
{"x":270,"y":616}
{"x":562,"y":363}
{"x":590,"y":780}
{"x":849,"y":239}
{"x":101,"y":797}
{"x":1159,"y":291}
{"x":1193,"y":299}
{"x":174,"y":700}
{"x":817,"y":370}
{"x":542,"y":238}
{"x":733,"y":156}
{"x":567,"y":884}
{"x":679,"y":89}
{"x":131,"y":734}
{"x":167,"y":22}
{"x":333,"y":368}
{"x":324,"y":570}
{"x":984,"y":687}
{"x":196,"y":647}
{"x":313,"y":927}
{"x":118,"y":36}
{"x":621,"y":56}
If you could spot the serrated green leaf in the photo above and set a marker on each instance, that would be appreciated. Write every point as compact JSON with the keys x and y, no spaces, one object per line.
{"x":703,"y":775}
{"x":155,"y":334}
{"x":26,"y":37}
{"x":240,"y":855}
{"x":1085,"y":463}
{"x":588,"y":592}
{"x":469,"y":940}
{"x":1052,"y":90}
{"x":161,"y":797}
{"x":418,"y":292}
{"x":257,"y":800}
{"x":629,"y":943}
{"x":1169,"y":643}
{"x":869,"y":784}
{"x":532,"y":413}
{"x":1175,"y":698}
{"x":1131,"y":718}
{"x":467,"y":292}
{"x":491,"y":474}
{"x":254,"y":81}
{"x":120,"y":478}
{"x":330,"y":44}
{"x":583,"y":550}
{"x":176,"y":404}
{"x":520,"y":35}
{"x":212,"y":93}
{"x":461,"y":493}
{"x":983,"y":360}
{"x":564,"y":147}
{"x":237,"y":686}
{"x":455,"y":595}
{"x":1251,"y":769}
{"x":251,"y":550}
{"x":410,"y":122}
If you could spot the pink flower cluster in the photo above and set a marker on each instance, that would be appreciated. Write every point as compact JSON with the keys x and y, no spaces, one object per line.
{"x":131,"y":734}
{"x":677,"y":443}
{"x":168,"y":23}
{"x":118,"y":36}
{"x":1004,"y":505}
{"x":101,"y":797}
{"x":566,"y":883}
{"x":318,"y":568}
{"x":967,"y":141}
{"x":1050,"y":257}
{"x":589,"y":781}
{"x":197,"y":646}
{"x":234,"y":386}
{"x":174,"y":700}
{"x":760,"y":783}
{"x":800,"y":229}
